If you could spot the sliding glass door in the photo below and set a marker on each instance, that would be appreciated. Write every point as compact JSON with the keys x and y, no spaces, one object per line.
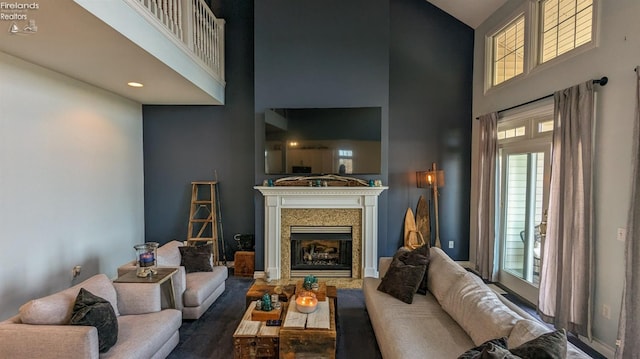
{"x":524,"y":174}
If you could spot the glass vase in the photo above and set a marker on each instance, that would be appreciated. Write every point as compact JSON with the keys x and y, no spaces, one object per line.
{"x":146,"y":259}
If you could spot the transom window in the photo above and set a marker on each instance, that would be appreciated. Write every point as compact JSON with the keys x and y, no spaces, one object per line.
{"x":536,"y":33}
{"x":508,"y":51}
{"x":565,"y":25}
{"x":545,"y":126}
{"x":512,"y":132}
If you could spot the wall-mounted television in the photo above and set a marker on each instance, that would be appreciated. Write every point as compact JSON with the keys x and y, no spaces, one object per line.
{"x":343,"y":140}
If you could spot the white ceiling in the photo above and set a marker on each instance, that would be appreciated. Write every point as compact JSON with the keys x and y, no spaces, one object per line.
{"x":72,"y":41}
{"x":471,"y":12}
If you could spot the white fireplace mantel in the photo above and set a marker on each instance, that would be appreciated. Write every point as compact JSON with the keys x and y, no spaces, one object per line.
{"x":278,"y":197}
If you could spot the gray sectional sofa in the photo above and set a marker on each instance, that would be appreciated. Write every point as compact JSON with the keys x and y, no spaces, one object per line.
{"x":458,"y":312}
{"x":195,"y":292}
{"x":42,"y":329}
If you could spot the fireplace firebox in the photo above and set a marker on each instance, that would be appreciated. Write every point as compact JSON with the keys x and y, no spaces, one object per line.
{"x":324,"y":251}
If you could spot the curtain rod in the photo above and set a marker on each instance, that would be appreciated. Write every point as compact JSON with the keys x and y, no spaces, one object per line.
{"x":602,"y":82}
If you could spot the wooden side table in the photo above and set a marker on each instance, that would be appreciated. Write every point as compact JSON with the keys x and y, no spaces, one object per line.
{"x":244,"y":263}
{"x":163,"y":275}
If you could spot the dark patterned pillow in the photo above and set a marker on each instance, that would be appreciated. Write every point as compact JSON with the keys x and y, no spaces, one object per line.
{"x":196,"y":258}
{"x":551,"y":345}
{"x":490,"y":345}
{"x":404,"y":275}
{"x":496,"y":352}
{"x":91,"y":310}
{"x":424,"y":250}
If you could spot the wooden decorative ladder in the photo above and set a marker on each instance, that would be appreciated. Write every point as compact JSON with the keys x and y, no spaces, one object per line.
{"x":203,"y":217}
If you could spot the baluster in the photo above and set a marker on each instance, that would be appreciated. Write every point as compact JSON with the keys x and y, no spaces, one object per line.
{"x":158,"y":11}
{"x":167,"y":14}
{"x":203,"y":32}
{"x":219,"y":46}
{"x":187,"y":23}
{"x":179,"y":20}
{"x":196,"y":33}
{"x":197,"y":28}
{"x":221,"y":58}
{"x":171,"y":22}
{"x":176,"y":19}
{"x":174,"y":15}
{"x":209,"y":38}
{"x":214,"y":42}
{"x":214,"y":46}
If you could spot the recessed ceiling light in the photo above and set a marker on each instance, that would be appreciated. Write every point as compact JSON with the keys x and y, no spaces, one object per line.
{"x":134,"y":84}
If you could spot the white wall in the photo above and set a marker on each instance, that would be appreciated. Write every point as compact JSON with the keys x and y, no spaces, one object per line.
{"x":71,"y":181}
{"x":616,"y":56}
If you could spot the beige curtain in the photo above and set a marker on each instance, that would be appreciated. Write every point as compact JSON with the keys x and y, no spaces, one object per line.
{"x":566,"y":282}
{"x":629,"y":324}
{"x":486,"y":189}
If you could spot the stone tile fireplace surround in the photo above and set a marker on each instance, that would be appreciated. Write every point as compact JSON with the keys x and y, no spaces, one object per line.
{"x":320,"y":217}
{"x":285,"y":206}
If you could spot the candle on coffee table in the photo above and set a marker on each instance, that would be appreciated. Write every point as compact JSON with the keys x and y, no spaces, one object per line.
{"x":306,"y":302}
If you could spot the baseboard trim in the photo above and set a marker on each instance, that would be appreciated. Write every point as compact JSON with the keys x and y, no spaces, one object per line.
{"x":599,"y":346}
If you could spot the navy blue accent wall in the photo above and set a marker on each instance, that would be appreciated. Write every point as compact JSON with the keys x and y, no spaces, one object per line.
{"x":405,"y":56}
{"x":430,"y":72}
{"x":331,"y":53}
{"x":188,"y":143}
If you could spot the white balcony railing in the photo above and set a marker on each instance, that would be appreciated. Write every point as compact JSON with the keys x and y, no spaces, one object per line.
{"x":194,"y":24}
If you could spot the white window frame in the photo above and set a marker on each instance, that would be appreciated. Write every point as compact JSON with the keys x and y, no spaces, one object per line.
{"x":524,"y":10}
{"x":536,"y":32}
{"x":532,"y":27}
{"x":516,"y":27}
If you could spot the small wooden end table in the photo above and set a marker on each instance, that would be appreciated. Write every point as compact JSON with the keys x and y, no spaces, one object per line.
{"x":244,"y":263}
{"x":163,"y":275}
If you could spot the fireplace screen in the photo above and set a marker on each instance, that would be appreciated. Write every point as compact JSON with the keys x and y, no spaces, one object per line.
{"x":321,"y":251}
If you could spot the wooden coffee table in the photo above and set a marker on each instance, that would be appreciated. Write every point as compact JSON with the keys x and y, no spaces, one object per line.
{"x":300,"y":339}
{"x":254,"y":339}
